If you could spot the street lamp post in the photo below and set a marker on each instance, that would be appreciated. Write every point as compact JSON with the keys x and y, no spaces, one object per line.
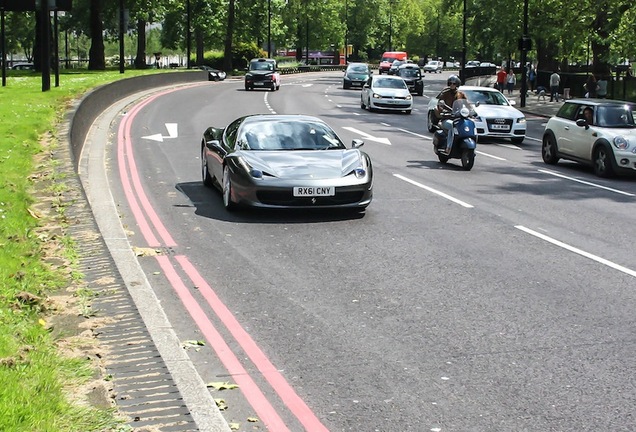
{"x":525,"y":46}
{"x":463,"y":74}
{"x":188,"y":34}
{"x":346,"y":46}
{"x":390,"y":25}
{"x":269,"y":28}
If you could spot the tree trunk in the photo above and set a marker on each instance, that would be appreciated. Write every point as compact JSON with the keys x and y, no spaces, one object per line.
{"x":198,"y":37}
{"x":140,"y":59}
{"x":96,"y":58}
{"x":227,"y":58}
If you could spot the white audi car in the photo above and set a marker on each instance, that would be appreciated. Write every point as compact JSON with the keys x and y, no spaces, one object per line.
{"x":496,"y":115}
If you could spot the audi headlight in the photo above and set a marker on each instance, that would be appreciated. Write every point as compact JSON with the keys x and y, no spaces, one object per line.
{"x":621,"y":143}
{"x":521,"y":120}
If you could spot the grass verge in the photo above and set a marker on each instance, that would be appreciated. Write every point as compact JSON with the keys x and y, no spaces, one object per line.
{"x":44,"y":373}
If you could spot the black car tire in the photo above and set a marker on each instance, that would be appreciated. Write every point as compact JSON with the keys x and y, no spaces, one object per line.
{"x":205,"y":172}
{"x":362,"y":105}
{"x":603,"y":161}
{"x":431,"y":121}
{"x":468,"y":159}
{"x":549,"y":150}
{"x":227,"y":190}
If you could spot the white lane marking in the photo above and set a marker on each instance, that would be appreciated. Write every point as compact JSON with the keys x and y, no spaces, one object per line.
{"x":578,"y":251}
{"x":269,"y":107}
{"x":367,"y":136}
{"x":489,"y":155}
{"x":534,"y":139}
{"x":511,"y":146}
{"x":435,"y":191}
{"x":586,"y":182}
{"x":172,"y":133}
{"x":416,"y":134}
{"x":385,"y":124}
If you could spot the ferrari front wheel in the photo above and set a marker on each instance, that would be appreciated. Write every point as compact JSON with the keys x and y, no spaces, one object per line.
{"x":227,"y":190}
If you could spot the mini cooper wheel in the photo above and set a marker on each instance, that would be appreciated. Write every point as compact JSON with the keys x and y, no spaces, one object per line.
{"x":549,"y":150}
{"x":602,"y":161}
{"x":227,"y":190}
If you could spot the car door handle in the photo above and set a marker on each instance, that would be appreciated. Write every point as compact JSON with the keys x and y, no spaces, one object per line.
{"x":567,"y":128}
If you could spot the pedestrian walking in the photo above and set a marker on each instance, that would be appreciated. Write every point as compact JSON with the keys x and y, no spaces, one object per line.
{"x":511,"y":80}
{"x":501,"y":79}
{"x":532,"y":77}
{"x":601,"y":87}
{"x":555,"y":81}
{"x":590,"y":86}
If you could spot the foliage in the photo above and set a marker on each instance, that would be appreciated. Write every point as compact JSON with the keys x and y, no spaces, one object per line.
{"x":600,"y":31}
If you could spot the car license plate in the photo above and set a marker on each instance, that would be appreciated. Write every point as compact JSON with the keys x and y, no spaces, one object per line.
{"x":314,"y":191}
{"x":259,"y":83}
{"x":500,"y":127}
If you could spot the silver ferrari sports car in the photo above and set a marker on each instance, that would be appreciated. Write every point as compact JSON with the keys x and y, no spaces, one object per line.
{"x":285,"y":161}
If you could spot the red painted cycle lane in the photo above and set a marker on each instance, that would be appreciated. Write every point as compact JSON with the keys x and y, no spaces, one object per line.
{"x":149,"y":223}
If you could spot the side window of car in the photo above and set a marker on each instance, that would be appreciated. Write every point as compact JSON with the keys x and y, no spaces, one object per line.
{"x":568,"y":111}
{"x":230,"y":134}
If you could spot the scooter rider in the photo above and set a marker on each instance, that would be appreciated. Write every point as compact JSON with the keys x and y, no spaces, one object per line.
{"x":460,"y":102}
{"x":445,"y":99}
{"x":447,"y":96}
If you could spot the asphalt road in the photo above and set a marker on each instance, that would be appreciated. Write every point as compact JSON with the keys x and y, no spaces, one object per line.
{"x":500,"y":299}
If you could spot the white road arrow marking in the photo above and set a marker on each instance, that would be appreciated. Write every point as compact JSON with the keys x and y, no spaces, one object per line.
{"x":366,"y":136}
{"x":172,"y":133}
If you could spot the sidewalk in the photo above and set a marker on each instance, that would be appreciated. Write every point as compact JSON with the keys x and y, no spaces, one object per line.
{"x":536,"y":106}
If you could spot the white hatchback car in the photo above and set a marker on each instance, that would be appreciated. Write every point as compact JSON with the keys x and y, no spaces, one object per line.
{"x":433,"y":66}
{"x":605,"y":138}
{"x":496,"y":115}
{"x":386,"y":92}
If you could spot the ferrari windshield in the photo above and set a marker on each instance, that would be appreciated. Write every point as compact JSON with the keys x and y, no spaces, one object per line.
{"x":288,"y":135}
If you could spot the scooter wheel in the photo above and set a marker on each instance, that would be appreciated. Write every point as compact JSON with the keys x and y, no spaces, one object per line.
{"x":468,"y":159}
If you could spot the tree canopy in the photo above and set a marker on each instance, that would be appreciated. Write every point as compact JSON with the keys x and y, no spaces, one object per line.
{"x":563,"y":33}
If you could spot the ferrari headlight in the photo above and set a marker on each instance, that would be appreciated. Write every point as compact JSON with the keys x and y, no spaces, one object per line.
{"x":360,"y":172}
{"x":621,"y":143}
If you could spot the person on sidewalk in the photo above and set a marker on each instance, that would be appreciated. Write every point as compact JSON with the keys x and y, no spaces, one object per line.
{"x":501,"y":79}
{"x":590,"y":86}
{"x":601,"y":89}
{"x":511,"y":80}
{"x":532,"y":77}
{"x":555,"y":81}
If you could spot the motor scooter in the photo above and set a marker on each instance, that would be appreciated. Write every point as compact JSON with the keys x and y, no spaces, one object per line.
{"x":464,"y":140}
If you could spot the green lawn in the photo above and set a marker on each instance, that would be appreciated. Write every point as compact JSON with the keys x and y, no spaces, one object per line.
{"x":40,"y":380}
